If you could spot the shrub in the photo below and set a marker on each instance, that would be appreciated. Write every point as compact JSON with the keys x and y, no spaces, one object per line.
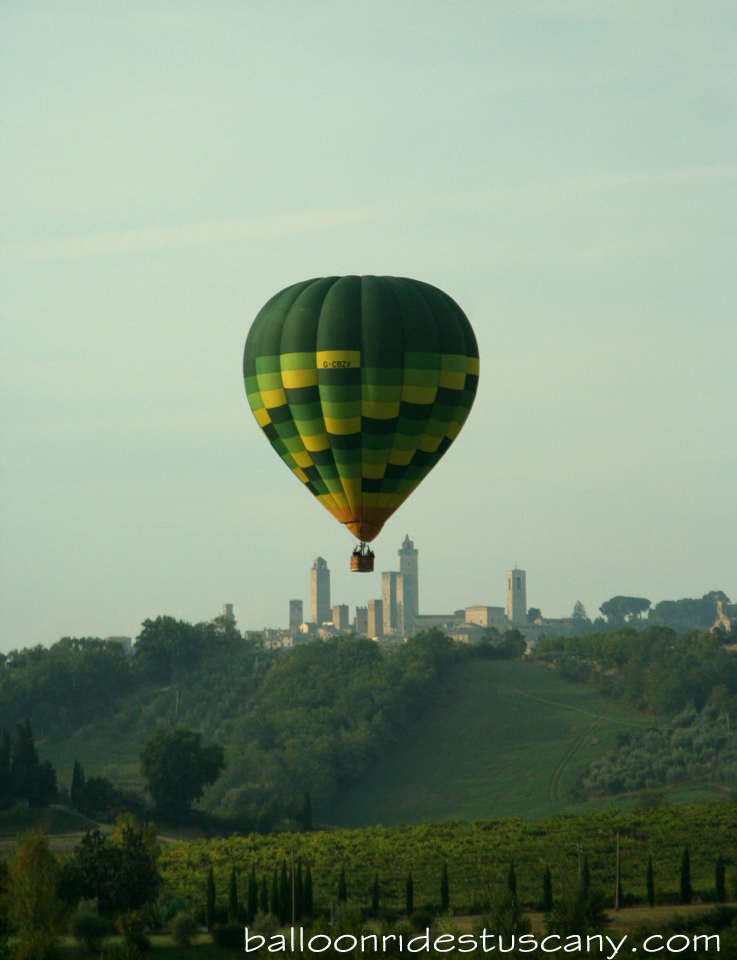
{"x":184,"y":929}
{"x":422,"y":917}
{"x":89,"y":928}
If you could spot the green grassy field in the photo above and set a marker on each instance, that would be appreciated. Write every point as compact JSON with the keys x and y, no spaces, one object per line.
{"x":102,"y":753}
{"x":510,"y":738}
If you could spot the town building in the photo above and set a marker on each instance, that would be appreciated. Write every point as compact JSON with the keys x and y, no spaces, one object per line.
{"x":320,"y":609}
{"x":296,"y":615}
{"x":360,"y":622}
{"x":375,"y":619}
{"x":340,"y":617}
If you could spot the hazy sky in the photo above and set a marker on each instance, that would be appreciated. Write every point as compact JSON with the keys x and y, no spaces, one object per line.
{"x":565,"y":170}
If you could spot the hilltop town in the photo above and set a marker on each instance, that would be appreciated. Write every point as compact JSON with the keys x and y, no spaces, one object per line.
{"x":395,"y":615}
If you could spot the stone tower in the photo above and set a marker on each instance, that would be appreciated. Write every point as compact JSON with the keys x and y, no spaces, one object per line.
{"x":408,"y":594}
{"x":296,"y":615}
{"x":320,"y":609}
{"x":389,"y":601}
{"x":516,"y":597}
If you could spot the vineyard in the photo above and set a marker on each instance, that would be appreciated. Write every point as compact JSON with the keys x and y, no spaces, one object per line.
{"x":478,"y":856}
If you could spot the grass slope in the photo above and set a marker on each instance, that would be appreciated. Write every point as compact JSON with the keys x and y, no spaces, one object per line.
{"x":509,"y":739}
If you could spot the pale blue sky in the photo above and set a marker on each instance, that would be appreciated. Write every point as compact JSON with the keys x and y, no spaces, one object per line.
{"x":565,"y":170}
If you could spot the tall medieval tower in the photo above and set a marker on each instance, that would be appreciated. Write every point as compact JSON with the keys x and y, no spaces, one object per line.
{"x":408,"y":599}
{"x":516,"y":597}
{"x":320,"y":609}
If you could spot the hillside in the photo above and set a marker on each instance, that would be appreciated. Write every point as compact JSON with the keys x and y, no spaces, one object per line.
{"x":493,"y":738}
{"x":509,"y":738}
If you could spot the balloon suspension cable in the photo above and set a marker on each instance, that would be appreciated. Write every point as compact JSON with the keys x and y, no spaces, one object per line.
{"x":362,"y":560}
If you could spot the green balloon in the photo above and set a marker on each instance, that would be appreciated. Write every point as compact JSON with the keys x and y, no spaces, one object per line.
{"x":361,"y":384}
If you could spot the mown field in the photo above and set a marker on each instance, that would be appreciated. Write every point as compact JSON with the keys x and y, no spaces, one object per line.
{"x":478,"y":856}
{"x":510,"y":738}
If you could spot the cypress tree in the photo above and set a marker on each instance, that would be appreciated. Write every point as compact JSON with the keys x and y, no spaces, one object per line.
{"x":232,"y":898}
{"x":24,"y":764}
{"x":586,"y":878}
{"x":375,"y":898}
{"x":512,"y":882}
{"x":5,"y":791}
{"x":210,"y":900}
{"x":342,"y":888}
{"x":252,"y":896}
{"x":299,"y":898}
{"x":76,"y":793}
{"x":650,"y":883}
{"x":721,"y":890}
{"x":264,"y":898}
{"x":275,"y":905}
{"x":409,"y":895}
{"x":444,"y":890}
{"x":285,"y":895}
{"x":686,"y":888}
{"x":547,"y":890}
{"x":307,"y":895}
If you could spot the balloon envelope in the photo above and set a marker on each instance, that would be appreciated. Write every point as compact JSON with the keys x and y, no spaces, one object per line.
{"x":361,"y":384}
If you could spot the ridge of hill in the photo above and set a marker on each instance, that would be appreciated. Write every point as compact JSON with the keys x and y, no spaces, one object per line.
{"x":508,"y":738}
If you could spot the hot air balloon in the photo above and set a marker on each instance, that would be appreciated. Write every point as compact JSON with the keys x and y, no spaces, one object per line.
{"x":361,"y":384}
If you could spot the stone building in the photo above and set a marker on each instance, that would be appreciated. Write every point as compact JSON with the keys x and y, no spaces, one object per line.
{"x":320,"y":609}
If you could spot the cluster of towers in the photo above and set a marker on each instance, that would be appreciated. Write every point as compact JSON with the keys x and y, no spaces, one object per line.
{"x":396,"y":613}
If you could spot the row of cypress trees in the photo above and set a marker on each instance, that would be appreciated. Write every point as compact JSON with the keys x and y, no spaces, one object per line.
{"x":262,"y":897}
{"x":276,"y":897}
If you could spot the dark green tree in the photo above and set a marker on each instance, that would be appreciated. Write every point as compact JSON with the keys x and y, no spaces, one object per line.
{"x":342,"y":887}
{"x":582,"y":914}
{"x":275,"y":905}
{"x":375,"y":898}
{"x":650,"y":882}
{"x":619,"y":609}
{"x":307,"y":906}
{"x":6,"y":794}
{"x":120,"y":871}
{"x":178,"y":768}
{"x":285,"y":895}
{"x":299,"y":893}
{"x":263,"y":900}
{"x":686,"y":888}
{"x":166,"y":649}
{"x":444,"y":890}
{"x":252,"y":896}
{"x":233,"y":897}
{"x":210,"y":899}
{"x":579,"y":611}
{"x":719,"y":880}
{"x":505,"y":917}
{"x":29,"y":779}
{"x":547,"y":890}
{"x":586,"y":875}
{"x":409,"y":895}
{"x":512,"y":881}
{"x":76,"y":792}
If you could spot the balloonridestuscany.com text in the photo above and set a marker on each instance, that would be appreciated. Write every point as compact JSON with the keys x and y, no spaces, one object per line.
{"x":486,"y":942}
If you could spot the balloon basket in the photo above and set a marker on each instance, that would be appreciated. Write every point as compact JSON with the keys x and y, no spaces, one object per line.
{"x":362,"y":560}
